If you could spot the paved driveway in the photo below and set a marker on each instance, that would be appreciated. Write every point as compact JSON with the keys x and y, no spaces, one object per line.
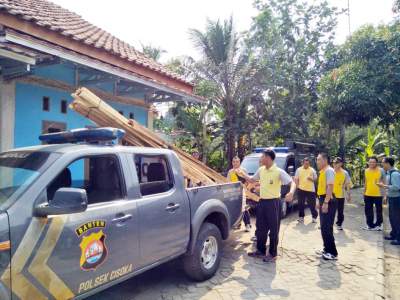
{"x":298,"y":273}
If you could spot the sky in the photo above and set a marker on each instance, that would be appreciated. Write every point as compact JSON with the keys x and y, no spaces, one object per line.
{"x":165,"y":23}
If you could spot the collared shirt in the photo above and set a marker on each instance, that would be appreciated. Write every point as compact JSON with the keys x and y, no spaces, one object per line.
{"x":232,"y":176}
{"x":372,"y":177}
{"x":271,"y":181}
{"x":342,"y":179}
{"x":326,"y":177}
{"x":302,"y":174}
{"x":393,"y":182}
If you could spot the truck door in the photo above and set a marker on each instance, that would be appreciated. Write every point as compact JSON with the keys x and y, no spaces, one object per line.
{"x":67,"y":255}
{"x":163,"y":210}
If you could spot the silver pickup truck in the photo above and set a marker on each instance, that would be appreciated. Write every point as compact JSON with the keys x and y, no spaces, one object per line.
{"x":78,"y":218}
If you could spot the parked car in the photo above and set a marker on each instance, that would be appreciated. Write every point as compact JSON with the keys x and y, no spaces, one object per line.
{"x":78,"y":218}
{"x":288,"y":158}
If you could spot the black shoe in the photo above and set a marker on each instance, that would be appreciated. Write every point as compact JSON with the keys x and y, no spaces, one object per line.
{"x":389,"y":238}
{"x":256,"y":254}
{"x":395,"y":243}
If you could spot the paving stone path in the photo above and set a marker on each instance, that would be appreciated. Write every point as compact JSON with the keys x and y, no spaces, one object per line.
{"x":360,"y":272}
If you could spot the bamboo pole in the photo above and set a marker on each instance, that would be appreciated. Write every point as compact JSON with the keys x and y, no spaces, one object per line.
{"x":92,"y":107}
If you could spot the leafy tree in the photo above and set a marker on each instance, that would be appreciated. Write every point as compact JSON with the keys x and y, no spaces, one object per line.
{"x":364,"y":85}
{"x":292,"y":38}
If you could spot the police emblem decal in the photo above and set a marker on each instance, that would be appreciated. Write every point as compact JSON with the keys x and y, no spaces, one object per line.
{"x":94,"y":250}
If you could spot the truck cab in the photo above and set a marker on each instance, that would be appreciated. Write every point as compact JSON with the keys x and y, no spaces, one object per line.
{"x":76,"y":218}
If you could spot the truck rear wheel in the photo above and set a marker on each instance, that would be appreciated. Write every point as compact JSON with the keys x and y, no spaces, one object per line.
{"x":203,"y":263}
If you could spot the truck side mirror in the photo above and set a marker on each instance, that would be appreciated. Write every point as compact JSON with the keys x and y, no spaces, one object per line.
{"x":291,"y":170}
{"x":65,"y":201}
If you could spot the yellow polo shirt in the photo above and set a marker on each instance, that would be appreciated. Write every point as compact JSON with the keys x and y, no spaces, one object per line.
{"x":303,"y":174}
{"x":326,"y":176}
{"x":341,"y":179}
{"x":233,"y":177}
{"x":372,"y":177}
{"x":271,"y":181}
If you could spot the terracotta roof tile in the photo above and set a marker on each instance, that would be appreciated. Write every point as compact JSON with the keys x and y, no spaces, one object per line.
{"x":47,"y":14}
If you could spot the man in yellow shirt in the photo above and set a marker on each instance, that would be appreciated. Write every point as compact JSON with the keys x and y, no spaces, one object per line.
{"x":268,"y":211}
{"x":305,"y":178}
{"x":232,"y":176}
{"x":374,"y":176}
{"x":327,"y":207}
{"x":342,"y":182}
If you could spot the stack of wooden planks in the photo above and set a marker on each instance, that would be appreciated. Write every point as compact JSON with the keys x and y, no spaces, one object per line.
{"x":89,"y":105}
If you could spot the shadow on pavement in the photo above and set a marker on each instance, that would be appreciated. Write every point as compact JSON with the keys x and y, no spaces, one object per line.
{"x":329,"y":276}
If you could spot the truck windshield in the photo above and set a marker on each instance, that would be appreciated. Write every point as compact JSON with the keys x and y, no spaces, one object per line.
{"x":251,"y":164}
{"x":18,"y":169}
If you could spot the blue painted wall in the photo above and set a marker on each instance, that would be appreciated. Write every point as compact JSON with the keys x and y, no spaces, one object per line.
{"x":29,"y":115}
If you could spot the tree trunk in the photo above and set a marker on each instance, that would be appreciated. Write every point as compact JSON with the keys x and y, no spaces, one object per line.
{"x":342,"y":135}
{"x":204,"y":136}
{"x":242,"y":141}
{"x":230,"y":147}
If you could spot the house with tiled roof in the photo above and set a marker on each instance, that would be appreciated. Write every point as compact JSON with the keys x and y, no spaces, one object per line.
{"x":47,"y":52}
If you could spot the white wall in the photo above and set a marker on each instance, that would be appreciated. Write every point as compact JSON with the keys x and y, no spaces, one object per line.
{"x":7,"y":114}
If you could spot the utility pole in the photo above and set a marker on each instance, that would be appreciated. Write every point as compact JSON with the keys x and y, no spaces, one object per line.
{"x":348,"y":15}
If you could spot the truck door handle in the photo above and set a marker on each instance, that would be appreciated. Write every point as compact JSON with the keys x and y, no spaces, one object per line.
{"x":172,"y":207}
{"x":120,"y":219}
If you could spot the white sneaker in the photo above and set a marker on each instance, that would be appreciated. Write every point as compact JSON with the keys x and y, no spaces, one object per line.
{"x":328,"y":256}
{"x":300,"y":220}
{"x":320,"y":252}
{"x":367,"y":228}
{"x":378,"y":228}
{"x":314,"y":220}
{"x":248,"y":228}
{"x":339,"y":227}
{"x":254,"y":239}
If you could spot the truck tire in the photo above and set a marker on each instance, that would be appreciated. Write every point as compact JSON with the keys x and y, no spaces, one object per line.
{"x":203,"y":263}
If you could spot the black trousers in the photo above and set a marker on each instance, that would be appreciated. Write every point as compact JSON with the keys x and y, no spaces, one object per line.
{"x":370,"y":202}
{"x":302,"y":197}
{"x":394,"y":217}
{"x":327,"y":221}
{"x":268,"y":222}
{"x":246,"y":217}
{"x":340,"y":211}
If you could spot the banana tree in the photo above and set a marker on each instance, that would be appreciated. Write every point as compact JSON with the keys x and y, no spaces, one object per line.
{"x":376,"y":140}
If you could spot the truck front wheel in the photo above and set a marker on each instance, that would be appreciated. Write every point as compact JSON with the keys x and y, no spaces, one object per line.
{"x":204,"y":261}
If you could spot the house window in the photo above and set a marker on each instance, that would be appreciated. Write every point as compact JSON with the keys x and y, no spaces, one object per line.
{"x":121,"y":112}
{"x":131,"y":116}
{"x":52,"y":127}
{"x":46,"y":104}
{"x":64,"y":106}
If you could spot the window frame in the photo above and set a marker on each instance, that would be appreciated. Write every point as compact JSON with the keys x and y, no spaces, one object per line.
{"x":120,"y":171}
{"x":64,"y":104}
{"x":168,"y":167}
{"x":46,"y":105}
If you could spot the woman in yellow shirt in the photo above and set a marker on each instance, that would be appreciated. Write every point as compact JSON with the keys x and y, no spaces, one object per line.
{"x":233,"y":177}
{"x":373,"y":195}
{"x":341,"y":183}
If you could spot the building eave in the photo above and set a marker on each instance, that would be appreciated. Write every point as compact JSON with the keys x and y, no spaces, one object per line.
{"x":66,"y":42}
{"x":48,"y":48}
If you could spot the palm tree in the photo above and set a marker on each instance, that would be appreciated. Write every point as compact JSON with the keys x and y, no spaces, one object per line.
{"x":154,"y":53}
{"x":235,"y":74}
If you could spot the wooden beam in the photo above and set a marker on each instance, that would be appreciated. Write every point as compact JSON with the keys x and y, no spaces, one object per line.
{"x":60,"y":85}
{"x":80,"y":47}
{"x":17,"y":57}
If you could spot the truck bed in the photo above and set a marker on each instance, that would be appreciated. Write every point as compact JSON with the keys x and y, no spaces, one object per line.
{"x":230,"y":194}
